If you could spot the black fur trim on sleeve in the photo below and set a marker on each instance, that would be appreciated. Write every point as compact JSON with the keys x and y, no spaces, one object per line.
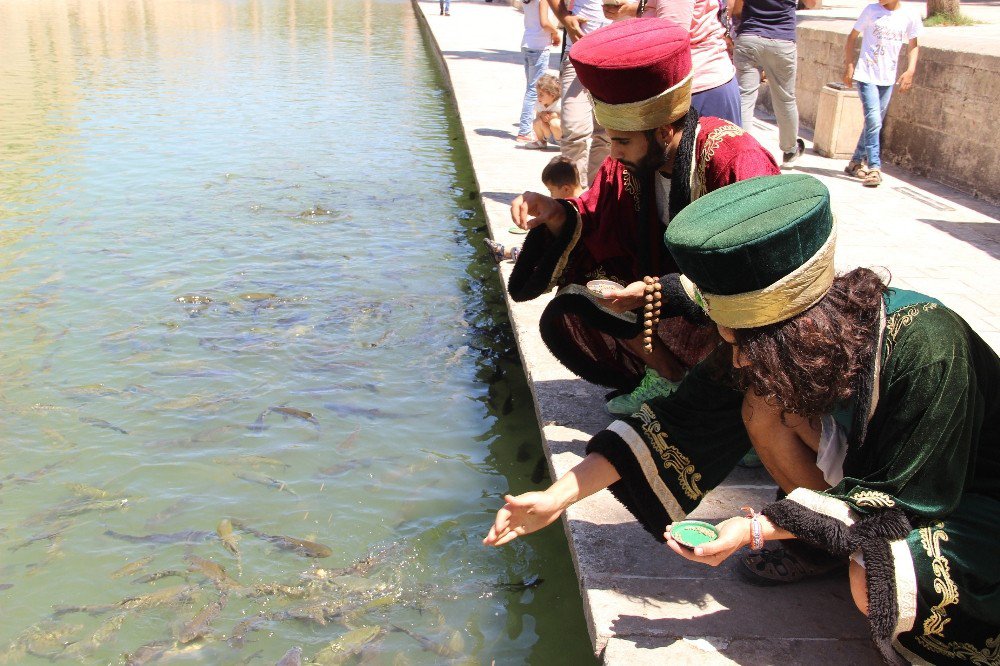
{"x":542,"y":257}
{"x":677,"y":304}
{"x":814,"y":528}
{"x":631,"y":490}
{"x":883,"y":609}
{"x":832,"y":535}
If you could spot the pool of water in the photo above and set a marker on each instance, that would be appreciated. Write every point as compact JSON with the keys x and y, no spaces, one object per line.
{"x":243,"y":294}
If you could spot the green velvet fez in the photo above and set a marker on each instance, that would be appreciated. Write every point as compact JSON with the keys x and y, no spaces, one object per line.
{"x":751,"y":234}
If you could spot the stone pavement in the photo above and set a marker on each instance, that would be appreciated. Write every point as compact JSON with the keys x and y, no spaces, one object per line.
{"x":642,"y":603}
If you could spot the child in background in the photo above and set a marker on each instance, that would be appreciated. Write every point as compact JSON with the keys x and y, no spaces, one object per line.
{"x":547,"y":109}
{"x":884,"y":27}
{"x":539,"y":35}
{"x":561,"y":177}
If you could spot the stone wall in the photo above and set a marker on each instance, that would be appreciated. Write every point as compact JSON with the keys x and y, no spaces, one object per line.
{"x":941,"y":128}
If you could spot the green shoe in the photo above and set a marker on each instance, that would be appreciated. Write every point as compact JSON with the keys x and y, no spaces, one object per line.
{"x":651,"y":386}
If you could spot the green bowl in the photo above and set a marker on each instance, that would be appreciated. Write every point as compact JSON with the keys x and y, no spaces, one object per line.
{"x":692,"y":533}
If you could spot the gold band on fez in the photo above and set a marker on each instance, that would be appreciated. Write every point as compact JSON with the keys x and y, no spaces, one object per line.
{"x":646,"y":114}
{"x":789,"y":296}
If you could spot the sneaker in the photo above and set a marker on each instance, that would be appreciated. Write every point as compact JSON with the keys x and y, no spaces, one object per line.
{"x":789,"y":159}
{"x":651,"y":386}
{"x":789,"y":563}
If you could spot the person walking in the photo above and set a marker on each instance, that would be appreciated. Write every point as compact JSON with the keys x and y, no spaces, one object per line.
{"x":584,"y":141}
{"x":539,"y":34}
{"x":884,"y":27}
{"x":765,"y":39}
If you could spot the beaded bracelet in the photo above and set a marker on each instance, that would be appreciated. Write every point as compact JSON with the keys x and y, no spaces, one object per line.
{"x":756,"y":535}
{"x":651,"y":311}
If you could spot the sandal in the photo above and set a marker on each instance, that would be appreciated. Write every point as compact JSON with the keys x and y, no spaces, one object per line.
{"x":788,"y":564}
{"x":856,"y":169}
{"x":496,"y":250}
{"x":533,"y":145}
{"x":873,"y":178}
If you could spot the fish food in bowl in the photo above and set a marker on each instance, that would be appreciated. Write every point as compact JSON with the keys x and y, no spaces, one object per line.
{"x":693,"y":533}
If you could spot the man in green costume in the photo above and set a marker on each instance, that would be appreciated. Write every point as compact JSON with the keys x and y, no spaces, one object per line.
{"x":877,"y":410}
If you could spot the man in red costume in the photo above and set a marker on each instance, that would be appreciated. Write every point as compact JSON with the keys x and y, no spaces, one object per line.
{"x":663,"y":156}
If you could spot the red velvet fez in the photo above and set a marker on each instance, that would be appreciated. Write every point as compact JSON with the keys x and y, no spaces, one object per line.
{"x":633,"y":60}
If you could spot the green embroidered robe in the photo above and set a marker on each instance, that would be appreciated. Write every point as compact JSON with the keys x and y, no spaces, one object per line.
{"x":920,"y":498}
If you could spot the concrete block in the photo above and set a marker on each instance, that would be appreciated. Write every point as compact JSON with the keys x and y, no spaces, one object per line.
{"x":839,"y":121}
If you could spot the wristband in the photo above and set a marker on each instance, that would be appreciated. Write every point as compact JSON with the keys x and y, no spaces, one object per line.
{"x":756,"y":535}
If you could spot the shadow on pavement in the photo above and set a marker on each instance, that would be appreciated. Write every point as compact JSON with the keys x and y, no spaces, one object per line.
{"x":489,"y":55}
{"x":982,"y":235}
{"x":498,"y":133}
{"x":505,"y":198}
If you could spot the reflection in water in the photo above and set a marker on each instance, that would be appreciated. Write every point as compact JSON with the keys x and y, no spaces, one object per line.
{"x":258,"y":388}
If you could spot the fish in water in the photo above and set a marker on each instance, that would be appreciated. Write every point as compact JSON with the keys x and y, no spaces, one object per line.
{"x":531,"y":581}
{"x":348,"y":645}
{"x":255,"y":296}
{"x":297,"y":413}
{"x":157,"y":575}
{"x":48,"y":535}
{"x":147,"y":653}
{"x":291,"y":658}
{"x":451,"y":650}
{"x":238,"y":634}
{"x":79,"y":650}
{"x":541,"y":471}
{"x":101,"y":423}
{"x":299,"y":546}
{"x":199,"y":624}
{"x":251,"y":460}
{"x":208,"y":568}
{"x":229,"y":540}
{"x":132,"y":567}
{"x":185,"y":536}
{"x":264,"y":480}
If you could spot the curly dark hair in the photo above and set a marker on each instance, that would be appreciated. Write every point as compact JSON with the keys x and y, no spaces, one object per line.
{"x":808,"y":364}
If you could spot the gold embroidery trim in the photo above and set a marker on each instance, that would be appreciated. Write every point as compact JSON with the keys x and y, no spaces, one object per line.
{"x":671,"y":456}
{"x":873,"y":498}
{"x":934,"y":626}
{"x":564,"y":259}
{"x":899,"y":320}
{"x":632,"y":187}
{"x":712,"y":143}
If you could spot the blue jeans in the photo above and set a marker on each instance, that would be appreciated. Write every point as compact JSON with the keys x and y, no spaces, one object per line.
{"x":445,"y":5}
{"x":874,"y":101}
{"x":536,"y":61}
{"x":720,"y":102}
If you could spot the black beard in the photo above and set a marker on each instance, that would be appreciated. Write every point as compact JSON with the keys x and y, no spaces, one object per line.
{"x":653,"y":160}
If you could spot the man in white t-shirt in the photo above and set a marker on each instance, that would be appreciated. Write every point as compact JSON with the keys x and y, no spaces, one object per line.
{"x":584,"y":141}
{"x":884,"y":27}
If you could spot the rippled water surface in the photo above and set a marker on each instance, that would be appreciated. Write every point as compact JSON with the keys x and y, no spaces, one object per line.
{"x":241,"y":279}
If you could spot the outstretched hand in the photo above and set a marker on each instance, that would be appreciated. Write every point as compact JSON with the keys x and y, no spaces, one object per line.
{"x":733,"y":535}
{"x":531,"y":209}
{"x":522,"y":515}
{"x":627,"y":298}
